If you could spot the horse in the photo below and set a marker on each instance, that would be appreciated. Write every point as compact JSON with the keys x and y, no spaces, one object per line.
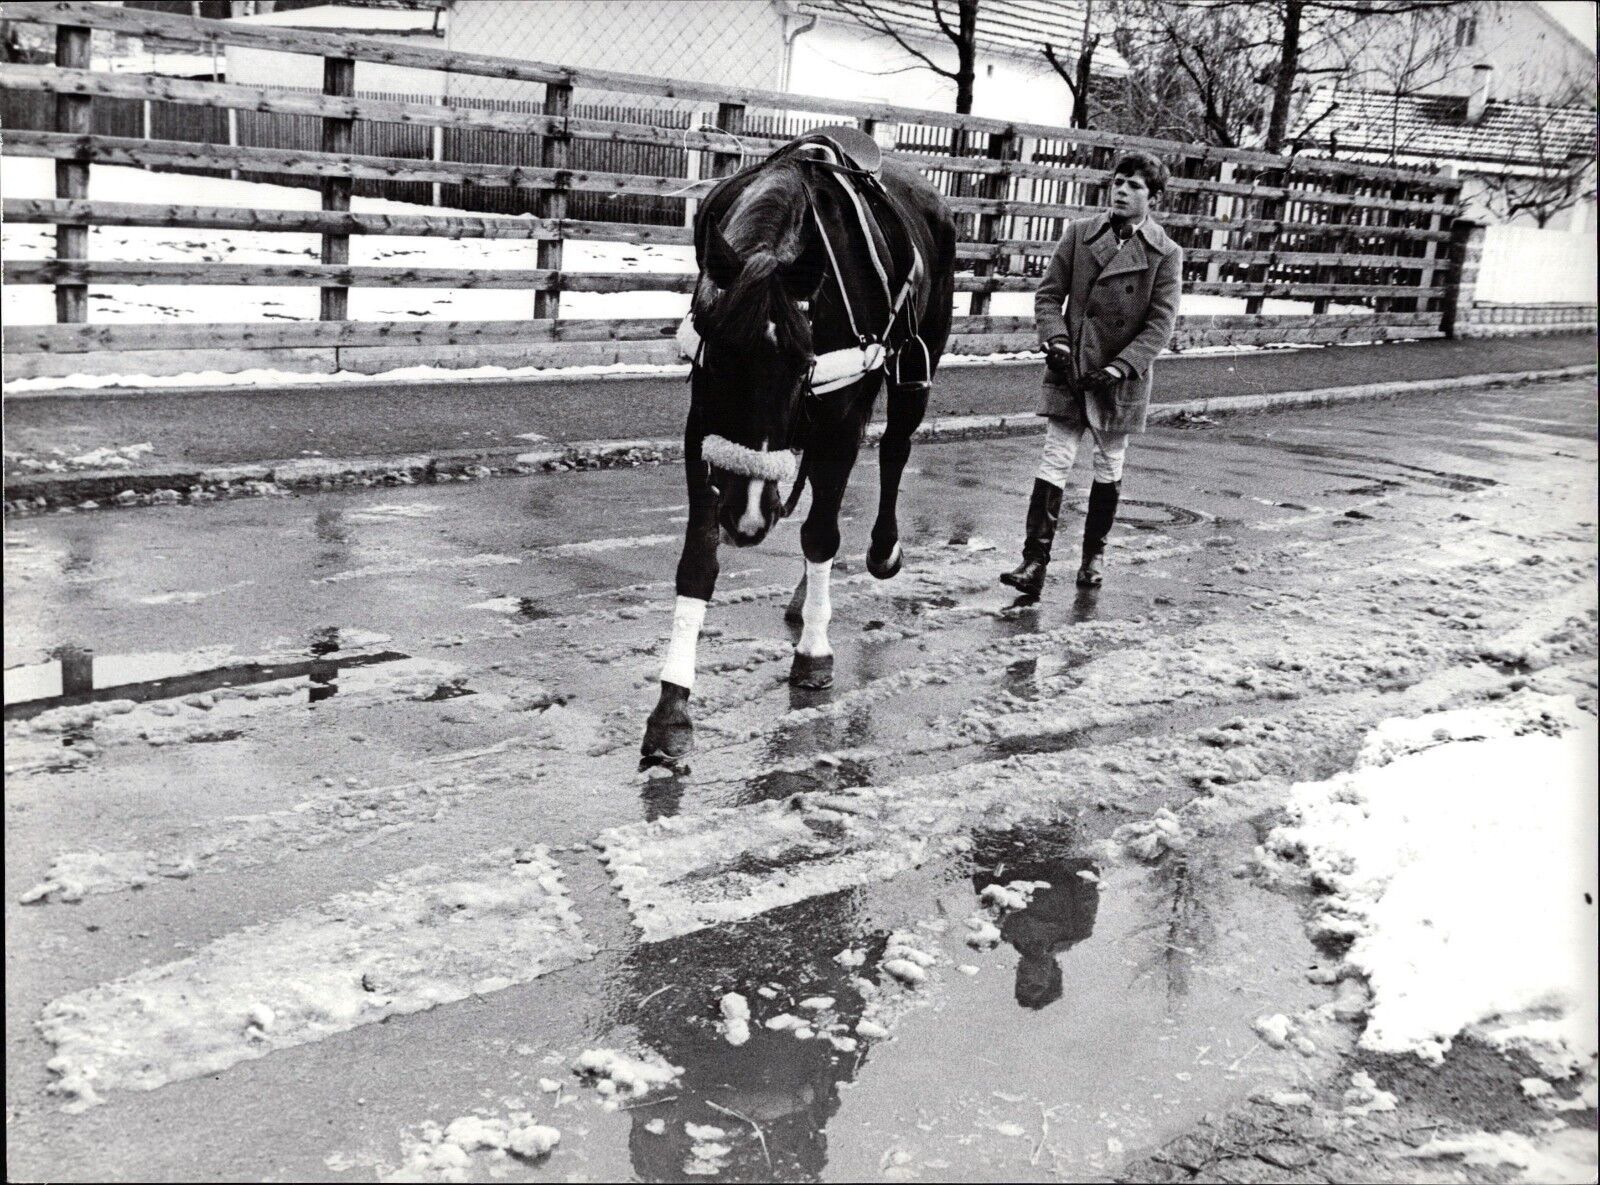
{"x":825,"y":272}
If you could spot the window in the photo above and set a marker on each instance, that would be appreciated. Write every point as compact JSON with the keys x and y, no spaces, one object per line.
{"x":1466,"y":31}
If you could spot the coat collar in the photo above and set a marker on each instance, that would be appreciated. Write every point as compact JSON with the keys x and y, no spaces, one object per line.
{"x":1103,"y":242}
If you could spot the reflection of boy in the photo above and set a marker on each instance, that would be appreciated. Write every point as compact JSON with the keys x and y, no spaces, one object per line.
{"x":1055,"y":921}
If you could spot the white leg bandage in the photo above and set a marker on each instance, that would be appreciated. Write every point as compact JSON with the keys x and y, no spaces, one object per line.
{"x":688,"y":614}
{"x":817,"y":612}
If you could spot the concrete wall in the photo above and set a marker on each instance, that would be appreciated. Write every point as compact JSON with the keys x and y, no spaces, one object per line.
{"x":1512,"y":280}
{"x":1527,"y":265}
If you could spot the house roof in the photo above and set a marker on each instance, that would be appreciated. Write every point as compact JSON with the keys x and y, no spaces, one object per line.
{"x":1019,"y":28}
{"x":1436,"y":126}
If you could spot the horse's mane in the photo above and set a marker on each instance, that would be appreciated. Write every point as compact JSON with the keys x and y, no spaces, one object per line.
{"x":766,"y":227}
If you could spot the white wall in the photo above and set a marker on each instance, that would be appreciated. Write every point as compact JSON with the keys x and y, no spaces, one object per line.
{"x":256,"y":67}
{"x":845,"y":62}
{"x":737,"y":44}
{"x":1526,"y":265}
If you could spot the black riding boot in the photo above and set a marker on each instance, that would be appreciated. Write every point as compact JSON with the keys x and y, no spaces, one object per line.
{"x":1044,"y":510}
{"x":1103,"y":497}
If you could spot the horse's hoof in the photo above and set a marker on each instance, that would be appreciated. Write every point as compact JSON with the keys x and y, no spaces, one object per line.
{"x":888,"y":568}
{"x":668,"y":733}
{"x":795,"y":613}
{"x":812,"y":672}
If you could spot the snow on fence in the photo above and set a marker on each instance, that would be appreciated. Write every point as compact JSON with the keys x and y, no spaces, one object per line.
{"x":1361,"y":251}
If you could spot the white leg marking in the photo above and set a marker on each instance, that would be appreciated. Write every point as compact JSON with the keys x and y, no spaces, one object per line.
{"x":751,"y":520}
{"x":688,"y":614}
{"x":817,"y":611}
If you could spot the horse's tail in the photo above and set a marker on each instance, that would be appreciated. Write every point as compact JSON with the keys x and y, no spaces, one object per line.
{"x":757,"y":298}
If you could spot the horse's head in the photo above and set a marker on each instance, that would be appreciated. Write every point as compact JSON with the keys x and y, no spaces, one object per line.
{"x":761,"y":263}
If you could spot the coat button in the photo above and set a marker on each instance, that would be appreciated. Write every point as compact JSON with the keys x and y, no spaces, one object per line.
{"x":1128,"y":288}
{"x":1090,"y":311}
{"x":1119,"y":322}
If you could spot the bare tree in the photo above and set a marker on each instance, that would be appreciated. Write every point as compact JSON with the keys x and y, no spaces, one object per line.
{"x":963,"y":35}
{"x":1079,"y":78}
{"x":1558,"y":168}
{"x":1251,"y":62}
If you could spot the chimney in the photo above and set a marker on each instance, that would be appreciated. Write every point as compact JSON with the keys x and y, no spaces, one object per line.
{"x":1478,"y":100}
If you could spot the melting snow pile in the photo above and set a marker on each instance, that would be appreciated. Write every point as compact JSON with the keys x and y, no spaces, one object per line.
{"x":444,"y":1154}
{"x":428,"y":936}
{"x":1457,"y":855}
{"x":617,"y":1073}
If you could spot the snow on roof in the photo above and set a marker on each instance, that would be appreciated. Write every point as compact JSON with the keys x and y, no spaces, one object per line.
{"x":350,"y":19}
{"x":1015,"y":27}
{"x":1436,"y":126}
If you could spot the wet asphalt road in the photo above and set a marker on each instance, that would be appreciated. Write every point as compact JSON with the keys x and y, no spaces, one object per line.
{"x":378,"y":419}
{"x":325,"y":691}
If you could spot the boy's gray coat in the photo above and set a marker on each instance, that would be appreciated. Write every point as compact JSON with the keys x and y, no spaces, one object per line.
{"x":1125,"y":314}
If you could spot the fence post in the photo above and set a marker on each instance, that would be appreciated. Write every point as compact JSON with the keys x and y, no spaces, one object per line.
{"x":74,"y":114}
{"x":997,"y":187}
{"x":1222,"y":207}
{"x":437,"y":155}
{"x":555,"y":153}
{"x":730,"y":118}
{"x":233,"y":136}
{"x":338,"y":78}
{"x":1461,"y":289}
{"x":1430,"y":253}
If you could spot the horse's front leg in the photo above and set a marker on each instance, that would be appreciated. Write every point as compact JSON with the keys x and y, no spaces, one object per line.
{"x":907,"y":406}
{"x":819,"y":540}
{"x":669,"y":732}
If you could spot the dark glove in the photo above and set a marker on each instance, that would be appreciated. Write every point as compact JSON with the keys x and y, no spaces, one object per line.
{"x":1058,"y":357}
{"x":1101,"y":380}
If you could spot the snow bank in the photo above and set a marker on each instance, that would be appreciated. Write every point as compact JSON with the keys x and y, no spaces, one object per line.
{"x":1458,"y":855}
{"x":430,"y":936}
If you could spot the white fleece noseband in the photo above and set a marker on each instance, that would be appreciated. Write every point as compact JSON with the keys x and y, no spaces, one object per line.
{"x":736,"y":458}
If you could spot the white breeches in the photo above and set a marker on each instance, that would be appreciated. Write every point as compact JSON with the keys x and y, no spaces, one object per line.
{"x":1061,"y":443}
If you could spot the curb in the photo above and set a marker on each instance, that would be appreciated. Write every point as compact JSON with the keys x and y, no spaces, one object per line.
{"x":104,"y":488}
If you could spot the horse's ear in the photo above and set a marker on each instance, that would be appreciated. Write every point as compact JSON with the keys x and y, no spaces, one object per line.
{"x":722,"y":262}
{"x":803,"y":277}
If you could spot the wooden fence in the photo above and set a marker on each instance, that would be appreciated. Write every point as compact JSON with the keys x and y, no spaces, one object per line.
{"x":1254,"y":226}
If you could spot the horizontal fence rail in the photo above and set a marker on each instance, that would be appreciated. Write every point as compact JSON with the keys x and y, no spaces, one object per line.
{"x":1254,"y":226}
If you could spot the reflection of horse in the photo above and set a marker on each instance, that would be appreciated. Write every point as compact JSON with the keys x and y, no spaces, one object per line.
{"x":1055,"y":921}
{"x":787,"y":1086}
{"x":824,"y":271}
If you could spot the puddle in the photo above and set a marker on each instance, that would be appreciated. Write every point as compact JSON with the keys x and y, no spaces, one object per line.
{"x":78,"y":676}
{"x":1119,"y":1002}
{"x":790,"y":1087}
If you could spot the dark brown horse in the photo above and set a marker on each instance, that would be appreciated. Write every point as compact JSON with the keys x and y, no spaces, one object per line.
{"x":824,"y":273}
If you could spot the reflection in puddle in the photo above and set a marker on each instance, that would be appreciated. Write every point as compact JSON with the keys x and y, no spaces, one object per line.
{"x":1180,"y":926}
{"x":76,"y":676}
{"x":786,"y":1086}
